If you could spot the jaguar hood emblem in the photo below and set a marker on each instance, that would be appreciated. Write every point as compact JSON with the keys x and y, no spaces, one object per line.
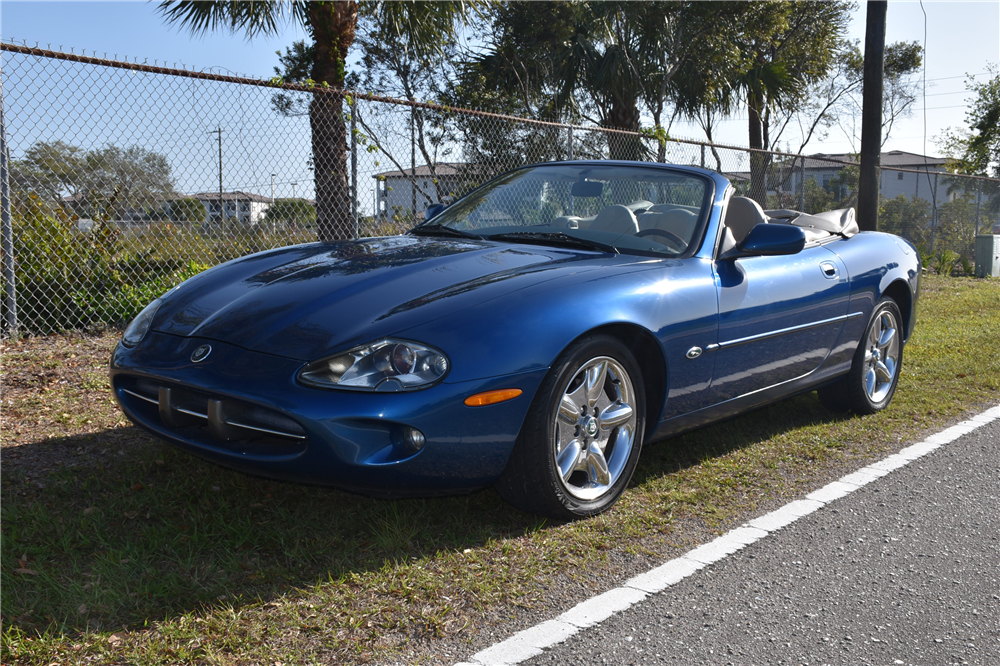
{"x":201,"y":353}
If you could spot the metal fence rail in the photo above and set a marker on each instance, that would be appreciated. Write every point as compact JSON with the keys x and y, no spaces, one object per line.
{"x":126,"y":178}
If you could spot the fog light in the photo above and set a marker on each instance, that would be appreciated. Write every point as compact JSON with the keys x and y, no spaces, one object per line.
{"x":414,"y":439}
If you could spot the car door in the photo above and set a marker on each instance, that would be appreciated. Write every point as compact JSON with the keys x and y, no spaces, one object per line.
{"x":779,"y":317}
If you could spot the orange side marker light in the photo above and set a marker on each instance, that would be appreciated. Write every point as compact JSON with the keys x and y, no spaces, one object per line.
{"x":492,"y":397}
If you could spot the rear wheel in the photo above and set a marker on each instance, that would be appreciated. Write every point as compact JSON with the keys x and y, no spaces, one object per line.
{"x":581,"y":439}
{"x":870,"y":384}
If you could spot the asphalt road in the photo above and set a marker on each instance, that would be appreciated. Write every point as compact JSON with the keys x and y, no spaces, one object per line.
{"x":905,"y":570}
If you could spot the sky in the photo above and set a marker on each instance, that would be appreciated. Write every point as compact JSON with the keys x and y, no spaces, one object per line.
{"x":961,"y":38}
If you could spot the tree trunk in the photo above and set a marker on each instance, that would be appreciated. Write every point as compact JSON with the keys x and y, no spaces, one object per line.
{"x":871,"y":118}
{"x":624,"y":115}
{"x":758,"y":162}
{"x":332,"y":25}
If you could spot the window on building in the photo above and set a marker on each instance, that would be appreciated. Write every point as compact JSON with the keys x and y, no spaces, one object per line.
{"x":899,"y":176}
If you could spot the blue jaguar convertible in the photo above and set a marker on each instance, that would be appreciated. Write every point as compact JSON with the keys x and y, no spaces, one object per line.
{"x":533,"y":335}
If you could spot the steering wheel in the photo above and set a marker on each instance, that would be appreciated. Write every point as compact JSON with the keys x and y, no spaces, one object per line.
{"x":669,"y":235}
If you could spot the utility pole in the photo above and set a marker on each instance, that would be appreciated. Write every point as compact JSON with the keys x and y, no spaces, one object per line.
{"x":272,"y":187}
{"x":294,"y":195}
{"x":221,"y":209}
{"x":871,"y":115}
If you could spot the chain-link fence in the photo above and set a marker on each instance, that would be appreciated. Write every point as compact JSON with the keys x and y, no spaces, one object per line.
{"x":126,"y":178}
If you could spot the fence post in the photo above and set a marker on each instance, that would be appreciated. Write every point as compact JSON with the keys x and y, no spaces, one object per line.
{"x":413,"y":167}
{"x":8,"y":231}
{"x":979,"y":196}
{"x":802,"y":183}
{"x":571,"y":142}
{"x":933,"y":206}
{"x":354,"y":166}
{"x":702,"y":156}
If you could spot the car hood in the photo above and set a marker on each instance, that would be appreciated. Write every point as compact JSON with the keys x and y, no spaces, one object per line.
{"x":307,"y":301}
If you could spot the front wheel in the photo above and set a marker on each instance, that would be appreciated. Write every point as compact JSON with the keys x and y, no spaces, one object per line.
{"x":870,"y":384}
{"x":581,"y":440}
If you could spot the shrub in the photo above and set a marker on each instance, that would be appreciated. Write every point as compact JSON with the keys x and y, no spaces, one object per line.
{"x":68,"y":279}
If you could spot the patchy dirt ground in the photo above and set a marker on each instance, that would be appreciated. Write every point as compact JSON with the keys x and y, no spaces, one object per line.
{"x":54,"y":392}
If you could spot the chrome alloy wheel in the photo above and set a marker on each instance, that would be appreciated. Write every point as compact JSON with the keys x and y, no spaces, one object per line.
{"x":881,"y":357}
{"x":595,"y":428}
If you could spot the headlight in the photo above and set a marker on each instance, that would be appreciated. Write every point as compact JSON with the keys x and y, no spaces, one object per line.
{"x":136,"y":331}
{"x":386,"y":365}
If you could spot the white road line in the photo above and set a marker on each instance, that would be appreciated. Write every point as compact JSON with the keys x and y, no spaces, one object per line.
{"x":533,"y":641}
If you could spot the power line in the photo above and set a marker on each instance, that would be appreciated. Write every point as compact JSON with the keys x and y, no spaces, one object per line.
{"x":963,"y":76}
{"x":955,"y":92}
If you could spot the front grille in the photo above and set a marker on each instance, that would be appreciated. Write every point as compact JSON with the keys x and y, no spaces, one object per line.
{"x":205,"y":418}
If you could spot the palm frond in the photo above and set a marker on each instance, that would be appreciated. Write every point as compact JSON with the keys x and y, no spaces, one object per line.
{"x":253,"y":17}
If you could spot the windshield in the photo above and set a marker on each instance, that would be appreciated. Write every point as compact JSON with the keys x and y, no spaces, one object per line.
{"x":628,"y":209}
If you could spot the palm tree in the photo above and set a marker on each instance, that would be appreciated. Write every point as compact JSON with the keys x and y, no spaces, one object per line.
{"x":332,"y":26}
{"x":791,"y":46}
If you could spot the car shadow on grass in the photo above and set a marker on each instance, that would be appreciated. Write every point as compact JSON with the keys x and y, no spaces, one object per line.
{"x":691,"y":448}
{"x":129,"y":530}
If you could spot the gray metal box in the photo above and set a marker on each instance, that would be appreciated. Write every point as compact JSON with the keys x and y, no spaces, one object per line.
{"x":987,"y":256}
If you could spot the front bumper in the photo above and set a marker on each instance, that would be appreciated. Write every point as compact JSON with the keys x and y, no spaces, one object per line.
{"x":244,"y":410}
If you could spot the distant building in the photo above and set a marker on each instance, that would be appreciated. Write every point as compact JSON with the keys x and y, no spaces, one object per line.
{"x":824,"y":167}
{"x":247,"y":207}
{"x":394,"y":190}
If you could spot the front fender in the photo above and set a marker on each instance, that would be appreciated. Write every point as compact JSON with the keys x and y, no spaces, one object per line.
{"x":673,"y":300}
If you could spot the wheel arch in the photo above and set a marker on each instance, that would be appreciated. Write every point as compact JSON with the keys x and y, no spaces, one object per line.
{"x":899,"y":291}
{"x":647,"y":349}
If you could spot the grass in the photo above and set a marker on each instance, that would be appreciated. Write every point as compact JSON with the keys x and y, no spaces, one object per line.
{"x":119,"y":549}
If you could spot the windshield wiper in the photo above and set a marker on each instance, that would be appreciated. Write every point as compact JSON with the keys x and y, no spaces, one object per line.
{"x":442,"y":230}
{"x":553,"y":238}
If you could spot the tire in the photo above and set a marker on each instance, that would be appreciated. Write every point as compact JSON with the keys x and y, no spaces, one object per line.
{"x":871,"y":382}
{"x":580,"y":442}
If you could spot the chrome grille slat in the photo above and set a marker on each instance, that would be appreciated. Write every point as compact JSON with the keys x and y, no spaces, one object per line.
{"x":241,"y":416}
{"x":141,"y":396}
{"x":264,"y":430}
{"x":191,"y":413}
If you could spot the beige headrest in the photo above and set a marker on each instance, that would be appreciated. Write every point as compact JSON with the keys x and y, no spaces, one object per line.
{"x":742,"y":215}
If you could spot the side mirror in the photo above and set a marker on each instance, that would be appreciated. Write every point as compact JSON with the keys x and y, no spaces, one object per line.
{"x":772,"y":240}
{"x":433,"y":210}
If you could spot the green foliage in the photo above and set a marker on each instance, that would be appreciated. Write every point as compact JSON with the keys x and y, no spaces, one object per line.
{"x":187,"y":209}
{"x":839,"y":193}
{"x":956,"y":224}
{"x":111,"y":183}
{"x":70,"y":279}
{"x":292,"y":211}
{"x":977,"y":149}
{"x":906,"y":217}
{"x":943,"y":263}
{"x":817,"y":197}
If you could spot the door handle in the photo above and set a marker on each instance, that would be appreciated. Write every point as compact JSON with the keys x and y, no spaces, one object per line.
{"x":829,"y":270}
